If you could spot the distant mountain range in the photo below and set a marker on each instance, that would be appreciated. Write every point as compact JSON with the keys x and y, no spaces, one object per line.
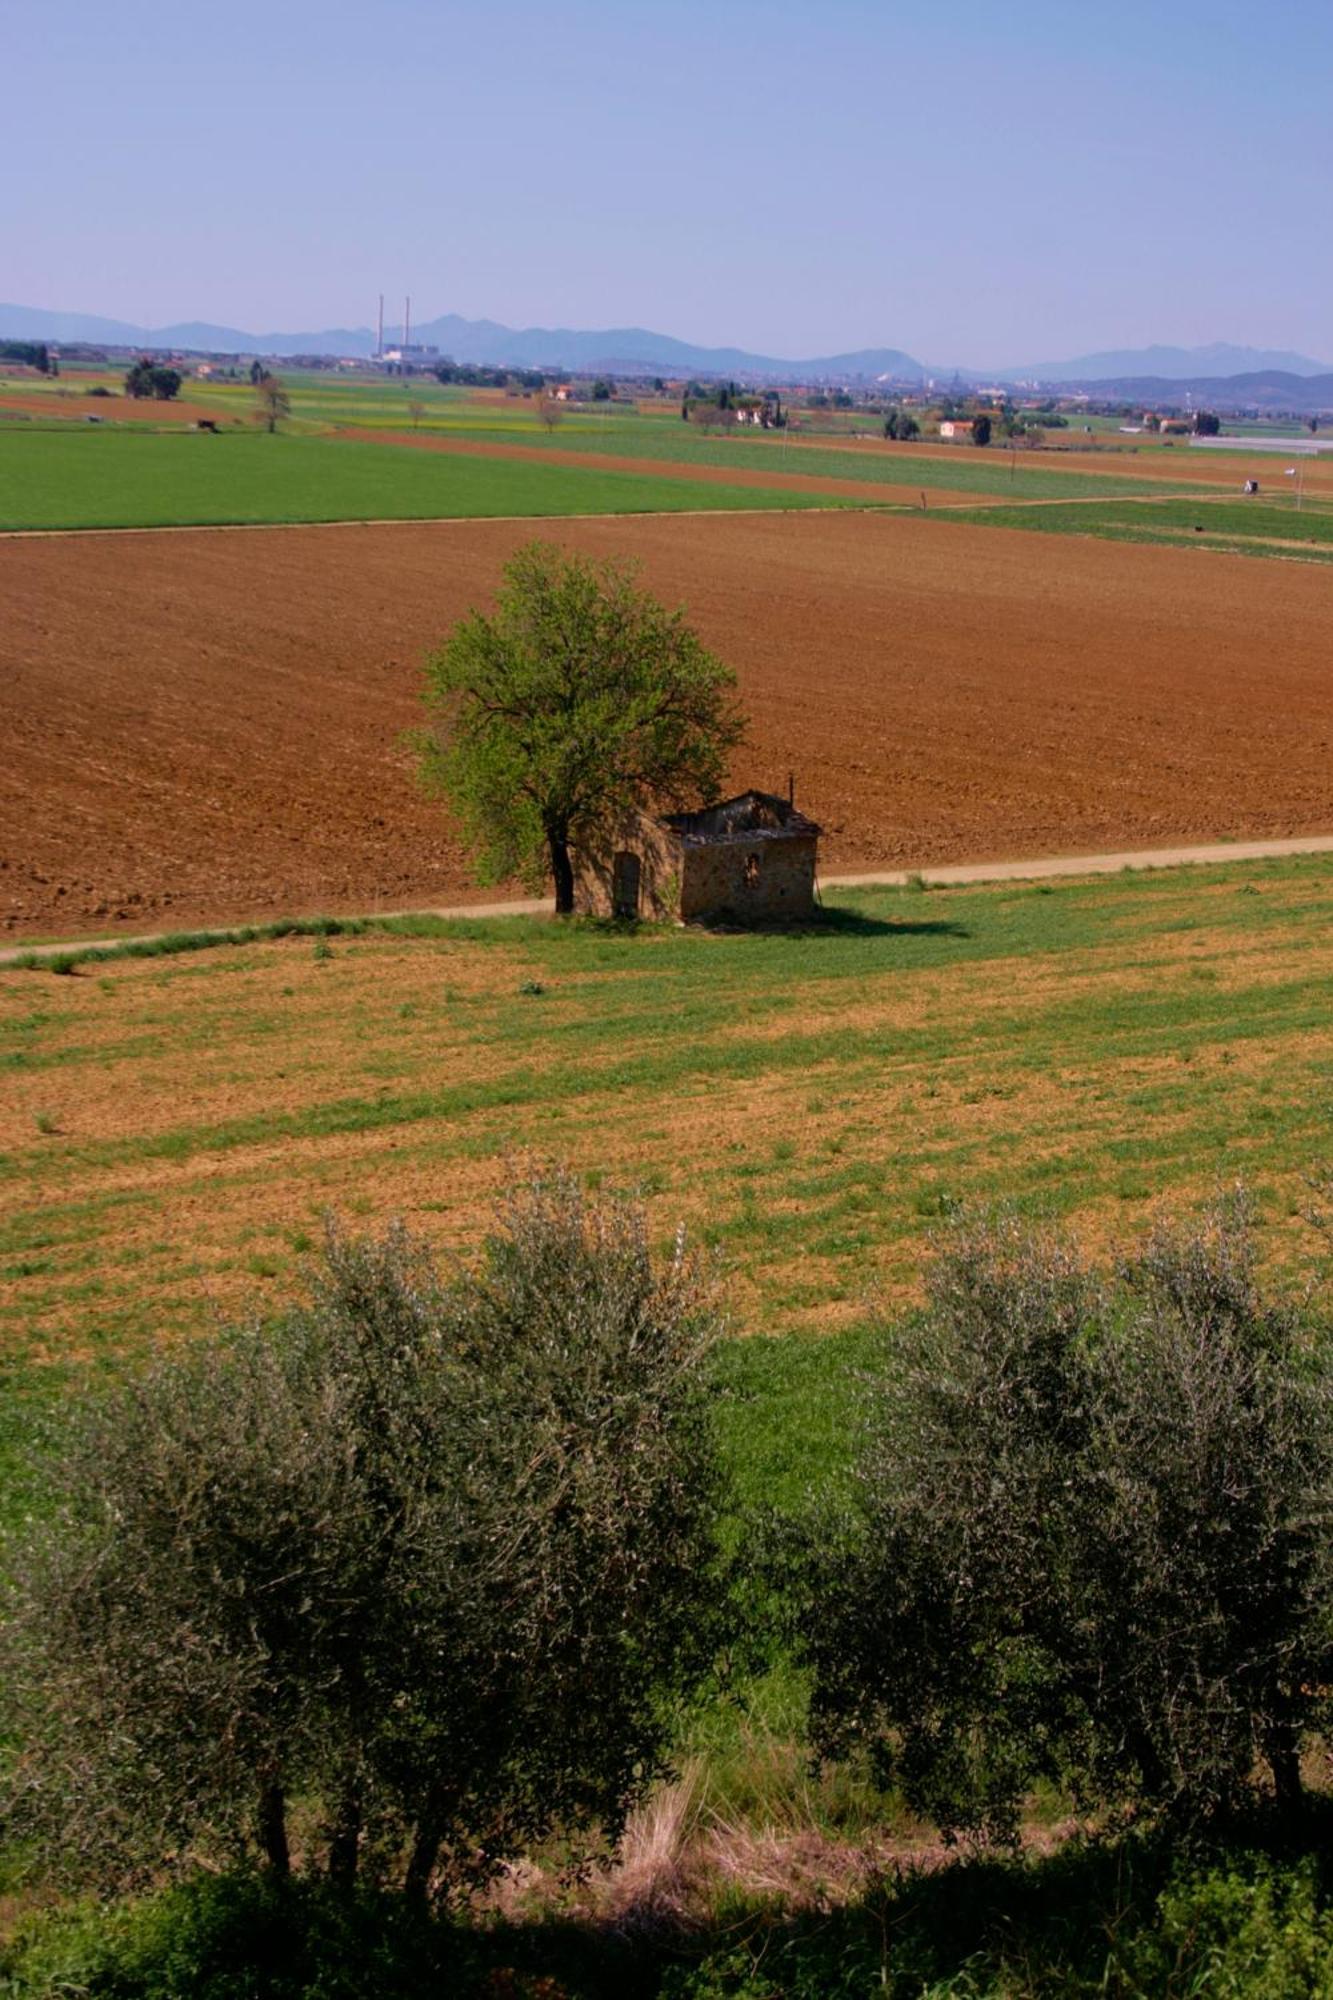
{"x":1168,"y":364}
{"x":1266,"y":389}
{"x":636,"y":350}
{"x":624,"y":349}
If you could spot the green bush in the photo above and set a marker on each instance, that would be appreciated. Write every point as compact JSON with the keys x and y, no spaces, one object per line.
{"x":1092,"y":1538}
{"x":391,"y":1590}
{"x":1238,"y":1932}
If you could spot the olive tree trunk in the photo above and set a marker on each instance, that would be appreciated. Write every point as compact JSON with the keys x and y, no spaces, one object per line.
{"x":273,"y":1829}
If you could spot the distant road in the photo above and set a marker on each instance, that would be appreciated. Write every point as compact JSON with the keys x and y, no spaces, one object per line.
{"x":1042,"y":869}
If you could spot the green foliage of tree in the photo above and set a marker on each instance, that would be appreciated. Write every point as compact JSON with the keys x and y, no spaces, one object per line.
{"x":601,"y":390}
{"x":1206,"y":424}
{"x":1092,"y":1539}
{"x":579,"y":700}
{"x":34,"y":352}
{"x":150,"y":378}
{"x":981,"y":429}
{"x":425,"y":1569}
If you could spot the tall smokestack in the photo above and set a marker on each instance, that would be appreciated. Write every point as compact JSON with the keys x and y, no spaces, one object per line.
{"x":407,"y":324}
{"x":379,"y":332}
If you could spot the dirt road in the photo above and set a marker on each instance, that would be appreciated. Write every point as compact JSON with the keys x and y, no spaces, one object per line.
{"x":1045,"y":868}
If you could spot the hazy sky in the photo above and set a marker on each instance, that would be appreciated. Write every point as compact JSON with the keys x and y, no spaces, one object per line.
{"x":968,"y":180}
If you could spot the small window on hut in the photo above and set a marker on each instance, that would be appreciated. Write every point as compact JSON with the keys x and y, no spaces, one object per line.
{"x":751,"y":873}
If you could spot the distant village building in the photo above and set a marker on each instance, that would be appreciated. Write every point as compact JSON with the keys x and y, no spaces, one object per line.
{"x":956,"y":429}
{"x":747,"y":860}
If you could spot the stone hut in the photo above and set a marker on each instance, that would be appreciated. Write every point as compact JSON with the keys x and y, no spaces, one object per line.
{"x":747,"y":860}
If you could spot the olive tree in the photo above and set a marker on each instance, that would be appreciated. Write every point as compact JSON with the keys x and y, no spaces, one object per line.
{"x":580,"y":699}
{"x":398,"y":1586}
{"x":1091,"y":1539}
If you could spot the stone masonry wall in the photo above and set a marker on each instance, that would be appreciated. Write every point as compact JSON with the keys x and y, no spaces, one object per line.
{"x":659,"y":853}
{"x":771,"y":881}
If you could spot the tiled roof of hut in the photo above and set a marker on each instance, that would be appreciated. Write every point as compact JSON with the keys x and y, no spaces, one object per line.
{"x":750,"y":816}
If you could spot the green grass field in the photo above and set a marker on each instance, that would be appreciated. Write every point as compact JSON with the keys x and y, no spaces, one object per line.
{"x":1235,"y":527}
{"x":810,"y":1105}
{"x":121,"y":479}
{"x":58,"y":472}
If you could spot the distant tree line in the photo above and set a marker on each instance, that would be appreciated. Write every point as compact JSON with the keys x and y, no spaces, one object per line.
{"x":471,"y":376}
{"x":33,"y":353}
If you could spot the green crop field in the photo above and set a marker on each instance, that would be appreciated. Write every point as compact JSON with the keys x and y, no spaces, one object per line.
{"x":1239,"y":527}
{"x":56,"y":471}
{"x":122,"y":479}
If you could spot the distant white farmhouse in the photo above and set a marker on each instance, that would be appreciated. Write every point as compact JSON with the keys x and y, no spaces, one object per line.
{"x":957,"y":430}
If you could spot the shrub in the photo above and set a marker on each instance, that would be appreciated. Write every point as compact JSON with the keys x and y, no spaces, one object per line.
{"x":394,"y":1588}
{"x":1092,"y":1537}
{"x":1241,"y":1931}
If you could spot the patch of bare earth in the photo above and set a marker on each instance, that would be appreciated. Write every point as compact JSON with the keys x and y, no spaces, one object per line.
{"x":205,"y":726}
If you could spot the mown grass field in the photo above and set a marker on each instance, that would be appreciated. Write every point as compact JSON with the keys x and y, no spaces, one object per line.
{"x":809,"y":1106}
{"x":112,"y":479}
{"x":1233,"y":527}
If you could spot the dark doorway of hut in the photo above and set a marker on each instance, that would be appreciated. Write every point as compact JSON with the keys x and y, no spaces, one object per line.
{"x":625,"y":878}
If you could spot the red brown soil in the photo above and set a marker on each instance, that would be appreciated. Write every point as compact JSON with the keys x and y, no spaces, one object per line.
{"x":658,"y":468}
{"x":206,"y":725}
{"x":112,"y":409}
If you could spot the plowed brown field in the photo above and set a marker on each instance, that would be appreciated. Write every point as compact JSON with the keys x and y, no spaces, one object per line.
{"x":112,"y":409}
{"x":205,"y":725}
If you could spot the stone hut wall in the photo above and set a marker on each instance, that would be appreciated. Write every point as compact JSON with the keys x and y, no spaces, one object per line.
{"x":765,"y":880}
{"x":658,"y":849}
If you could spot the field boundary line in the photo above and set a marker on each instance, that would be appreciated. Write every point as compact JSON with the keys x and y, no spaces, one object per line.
{"x":947,"y":875}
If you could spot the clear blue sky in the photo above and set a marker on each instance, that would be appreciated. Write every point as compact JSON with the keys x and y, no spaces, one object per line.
{"x":969,"y":180}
